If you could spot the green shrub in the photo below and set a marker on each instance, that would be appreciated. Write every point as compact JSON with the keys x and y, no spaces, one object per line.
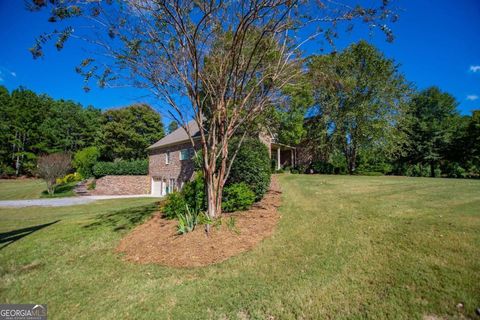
{"x":85,"y":159}
{"x":194,"y":193}
{"x":174,"y":205}
{"x":438,"y":173}
{"x":72,"y":177}
{"x":418,"y":170}
{"x":192,"y":196}
{"x":6,"y":171}
{"x":454,"y":170}
{"x":119,"y":168}
{"x":369,"y":173}
{"x":323,"y":167}
{"x":251,"y":166}
{"x":237,"y":196}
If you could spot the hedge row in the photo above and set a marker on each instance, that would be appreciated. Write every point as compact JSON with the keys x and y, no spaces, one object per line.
{"x":121,"y":168}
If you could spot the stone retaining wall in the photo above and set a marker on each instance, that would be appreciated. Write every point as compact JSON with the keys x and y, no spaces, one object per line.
{"x":122,"y":185}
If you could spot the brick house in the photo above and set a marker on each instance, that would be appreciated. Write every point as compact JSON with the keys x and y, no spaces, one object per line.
{"x":171,"y":164}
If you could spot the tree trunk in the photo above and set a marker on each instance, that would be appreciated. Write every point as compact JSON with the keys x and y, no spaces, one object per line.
{"x":432,"y":169}
{"x":50,"y":187}
{"x":17,"y":165}
{"x":214,"y":195}
{"x":351,"y":159}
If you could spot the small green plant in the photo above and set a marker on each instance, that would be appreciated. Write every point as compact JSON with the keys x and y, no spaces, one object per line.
{"x":186,"y":221}
{"x":231,"y":225}
{"x":189,"y":219}
{"x":237,"y":196}
{"x":92,"y":185}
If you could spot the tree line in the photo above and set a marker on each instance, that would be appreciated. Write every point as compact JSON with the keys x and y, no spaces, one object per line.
{"x":34,"y":124}
{"x":354,"y":112}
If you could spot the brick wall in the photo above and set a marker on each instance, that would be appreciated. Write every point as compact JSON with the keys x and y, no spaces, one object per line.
{"x":180,"y":170}
{"x":122,"y":185}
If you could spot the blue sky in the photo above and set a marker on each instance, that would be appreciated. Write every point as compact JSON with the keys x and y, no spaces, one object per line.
{"x":436,"y":43}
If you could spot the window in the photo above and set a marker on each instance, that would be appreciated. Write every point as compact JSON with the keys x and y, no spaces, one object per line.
{"x":184,"y":154}
{"x":167,"y":158}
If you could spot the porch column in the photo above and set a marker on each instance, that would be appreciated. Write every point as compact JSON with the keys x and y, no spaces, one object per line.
{"x":278,"y":159}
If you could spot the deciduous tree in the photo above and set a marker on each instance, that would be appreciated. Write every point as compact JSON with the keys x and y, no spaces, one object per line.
{"x":360,"y":99}
{"x":53,"y":166}
{"x":432,"y":115}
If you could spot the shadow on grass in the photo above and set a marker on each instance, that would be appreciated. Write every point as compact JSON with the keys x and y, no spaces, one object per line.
{"x":64,"y":190}
{"x":124,"y":219}
{"x":7,"y":238}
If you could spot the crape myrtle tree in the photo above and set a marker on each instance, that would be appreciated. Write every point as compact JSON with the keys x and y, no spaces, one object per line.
{"x":50,"y":167}
{"x":220,"y":63}
{"x":360,"y":101}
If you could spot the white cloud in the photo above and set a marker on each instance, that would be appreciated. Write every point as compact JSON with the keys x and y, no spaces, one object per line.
{"x":472,"y":97}
{"x":475,"y":68}
{"x":6,"y":73}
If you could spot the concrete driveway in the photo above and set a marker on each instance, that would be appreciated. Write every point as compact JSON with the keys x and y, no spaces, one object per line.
{"x":62,"y":202}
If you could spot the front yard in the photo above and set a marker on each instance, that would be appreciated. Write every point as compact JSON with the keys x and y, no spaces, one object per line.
{"x":23,"y":189}
{"x":345,"y":247}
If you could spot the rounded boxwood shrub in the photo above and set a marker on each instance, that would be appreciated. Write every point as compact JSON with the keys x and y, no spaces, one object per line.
{"x":251,"y":166}
{"x":237,"y":196}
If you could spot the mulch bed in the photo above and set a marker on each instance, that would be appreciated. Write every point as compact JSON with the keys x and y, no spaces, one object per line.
{"x":157,"y":241}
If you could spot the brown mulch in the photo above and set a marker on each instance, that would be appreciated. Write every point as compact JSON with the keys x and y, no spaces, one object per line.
{"x":157,"y":241}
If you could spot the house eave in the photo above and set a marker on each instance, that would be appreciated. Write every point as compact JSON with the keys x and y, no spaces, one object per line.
{"x":281,"y":145}
{"x":172,"y":144}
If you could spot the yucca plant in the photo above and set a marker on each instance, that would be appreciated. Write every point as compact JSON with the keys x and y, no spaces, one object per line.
{"x":189,"y":219}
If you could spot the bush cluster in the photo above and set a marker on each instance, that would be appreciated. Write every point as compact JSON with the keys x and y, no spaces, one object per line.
{"x":120,"y":168}
{"x":72,"y":177}
{"x":237,"y":196}
{"x":84,"y":161}
{"x":192,"y":196}
{"x":251,"y":166}
{"x":248,"y":181}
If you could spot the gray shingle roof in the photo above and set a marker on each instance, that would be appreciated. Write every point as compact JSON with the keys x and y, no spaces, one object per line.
{"x":177,"y":136}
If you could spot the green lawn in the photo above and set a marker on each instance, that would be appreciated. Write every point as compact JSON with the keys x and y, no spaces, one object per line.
{"x":11,"y":189}
{"x":17,"y":189}
{"x":345,"y":247}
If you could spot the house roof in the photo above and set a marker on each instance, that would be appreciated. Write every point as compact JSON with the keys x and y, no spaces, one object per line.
{"x":177,"y":136}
